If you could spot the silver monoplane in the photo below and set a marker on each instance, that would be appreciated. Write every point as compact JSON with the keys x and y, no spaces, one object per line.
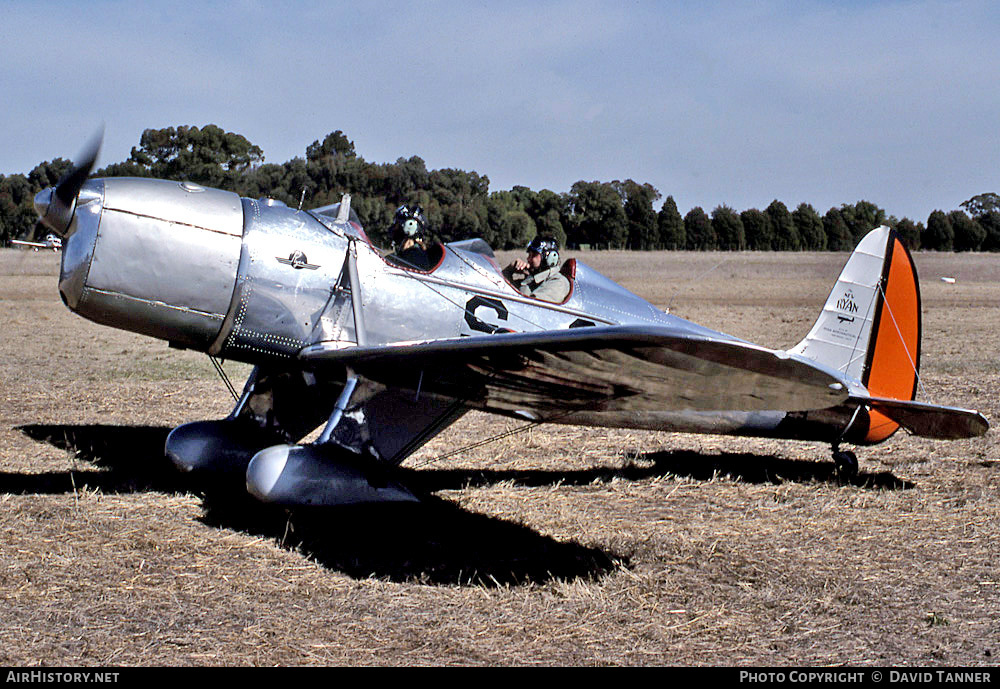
{"x":52,"y":241}
{"x":386,"y":357}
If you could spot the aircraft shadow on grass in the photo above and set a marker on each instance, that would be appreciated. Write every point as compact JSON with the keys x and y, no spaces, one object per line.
{"x":435,"y":541}
{"x":751,"y":468}
{"x":739,"y":466}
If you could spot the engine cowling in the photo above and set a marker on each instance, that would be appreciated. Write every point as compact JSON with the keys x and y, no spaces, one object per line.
{"x":153,"y":256}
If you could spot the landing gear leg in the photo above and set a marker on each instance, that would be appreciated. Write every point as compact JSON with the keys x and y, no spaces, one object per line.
{"x":847,"y":463}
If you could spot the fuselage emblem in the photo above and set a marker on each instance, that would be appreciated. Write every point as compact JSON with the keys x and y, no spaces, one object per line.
{"x":297,"y":260}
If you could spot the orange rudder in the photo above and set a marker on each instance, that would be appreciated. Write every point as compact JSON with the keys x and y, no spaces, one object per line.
{"x":894,"y":349}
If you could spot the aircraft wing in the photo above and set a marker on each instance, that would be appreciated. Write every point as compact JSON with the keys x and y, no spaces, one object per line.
{"x":596,"y":368}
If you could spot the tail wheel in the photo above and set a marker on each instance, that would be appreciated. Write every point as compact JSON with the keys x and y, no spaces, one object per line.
{"x":847,"y":464}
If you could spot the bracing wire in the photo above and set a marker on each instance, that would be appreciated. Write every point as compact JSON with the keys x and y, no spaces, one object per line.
{"x":473,"y":446}
{"x":514,"y":431}
{"x":902,"y":340}
{"x":857,"y":341}
{"x":225,"y":378}
{"x":691,"y":283}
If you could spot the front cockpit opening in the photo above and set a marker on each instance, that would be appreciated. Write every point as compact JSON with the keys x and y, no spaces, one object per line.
{"x":425,"y":260}
{"x":413,"y":244}
{"x":410,"y":244}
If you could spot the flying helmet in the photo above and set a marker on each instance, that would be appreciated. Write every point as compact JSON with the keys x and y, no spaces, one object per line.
{"x":409,"y":223}
{"x":547,"y":248}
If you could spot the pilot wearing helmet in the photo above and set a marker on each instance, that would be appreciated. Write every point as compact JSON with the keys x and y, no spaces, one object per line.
{"x":409,"y":238}
{"x":538,"y":276}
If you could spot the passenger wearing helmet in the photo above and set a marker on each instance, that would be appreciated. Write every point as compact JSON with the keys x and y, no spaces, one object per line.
{"x":538,"y":276}
{"x":409,"y":239}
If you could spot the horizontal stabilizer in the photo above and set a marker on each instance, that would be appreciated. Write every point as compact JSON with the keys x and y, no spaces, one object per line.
{"x":929,"y":420}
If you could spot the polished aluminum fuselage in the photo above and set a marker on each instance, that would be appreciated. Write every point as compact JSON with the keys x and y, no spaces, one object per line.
{"x":256,"y":281}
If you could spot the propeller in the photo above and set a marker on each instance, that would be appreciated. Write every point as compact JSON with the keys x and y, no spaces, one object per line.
{"x":69,"y":186}
{"x":55,"y":205}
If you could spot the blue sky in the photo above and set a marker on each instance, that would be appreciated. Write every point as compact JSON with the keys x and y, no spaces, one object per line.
{"x":711,"y":102}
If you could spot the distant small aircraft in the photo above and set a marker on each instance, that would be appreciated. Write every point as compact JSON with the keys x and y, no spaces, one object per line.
{"x":386,"y":357}
{"x":51,"y":241}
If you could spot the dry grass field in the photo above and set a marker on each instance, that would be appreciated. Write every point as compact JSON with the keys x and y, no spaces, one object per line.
{"x":559,"y":545}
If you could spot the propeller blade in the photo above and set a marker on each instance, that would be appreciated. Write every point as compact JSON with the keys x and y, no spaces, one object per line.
{"x":55,"y":205}
{"x":69,"y":186}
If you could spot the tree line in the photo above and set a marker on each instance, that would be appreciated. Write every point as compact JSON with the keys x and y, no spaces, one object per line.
{"x":458,"y":203}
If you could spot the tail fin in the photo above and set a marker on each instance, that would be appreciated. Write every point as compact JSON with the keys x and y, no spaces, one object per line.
{"x":870,"y":325}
